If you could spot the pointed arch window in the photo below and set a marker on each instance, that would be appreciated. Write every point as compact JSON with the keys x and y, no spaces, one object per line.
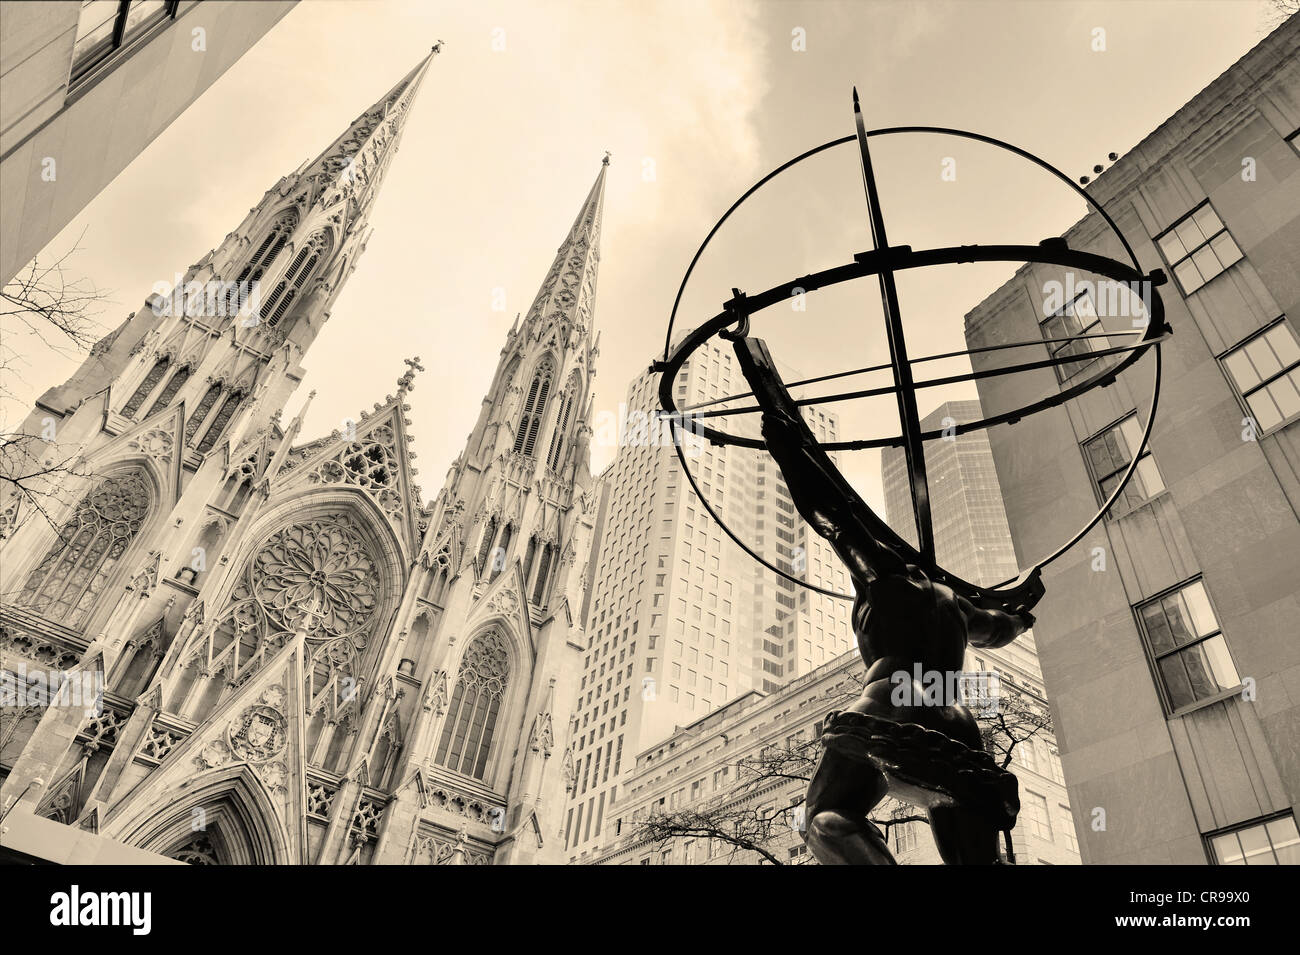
{"x":485,"y":544}
{"x":466,"y":740}
{"x":556,"y":454}
{"x":201,"y":411}
{"x":272,"y":244}
{"x":219,"y":422}
{"x":529,"y":556}
{"x":66,"y":584}
{"x":530,"y":420}
{"x":294,"y":279}
{"x":543,"y":572}
{"x":500,"y":551}
{"x":147,"y":386}
{"x":169,"y":392}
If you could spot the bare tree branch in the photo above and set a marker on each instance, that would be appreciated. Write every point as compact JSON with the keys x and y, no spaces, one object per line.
{"x":46,"y":305}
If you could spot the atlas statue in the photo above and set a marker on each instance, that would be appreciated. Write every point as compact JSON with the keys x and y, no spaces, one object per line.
{"x":911,"y":616}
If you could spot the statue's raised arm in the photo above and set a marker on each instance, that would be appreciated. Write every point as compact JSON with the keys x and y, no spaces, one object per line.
{"x":824,"y":499}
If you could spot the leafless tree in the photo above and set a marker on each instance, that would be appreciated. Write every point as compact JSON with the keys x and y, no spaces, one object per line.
{"x":1277,"y":12}
{"x":44,"y":304}
{"x":751,"y":817}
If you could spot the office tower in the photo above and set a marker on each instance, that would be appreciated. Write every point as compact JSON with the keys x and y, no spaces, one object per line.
{"x":682,"y":620}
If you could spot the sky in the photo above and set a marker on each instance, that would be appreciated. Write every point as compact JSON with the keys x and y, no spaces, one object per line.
{"x":695,"y":101}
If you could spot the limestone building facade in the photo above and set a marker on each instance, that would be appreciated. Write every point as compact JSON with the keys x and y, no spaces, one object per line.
{"x":302,"y":662}
{"x":1167,"y":636}
{"x":747,"y":762}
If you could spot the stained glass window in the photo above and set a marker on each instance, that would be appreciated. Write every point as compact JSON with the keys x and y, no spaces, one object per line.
{"x":475,"y":706}
{"x":67,"y":582}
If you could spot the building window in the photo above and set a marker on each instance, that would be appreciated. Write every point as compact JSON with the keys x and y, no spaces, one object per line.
{"x":1066,"y":825}
{"x":1076,"y":318}
{"x":201,"y":411}
{"x":67,"y":582}
{"x":530,"y":419}
{"x":904,"y":837}
{"x":294,"y":278}
{"x":219,"y":422}
{"x":146,"y":387}
{"x":168,"y":393}
{"x":108,"y":25}
{"x":1198,"y":247}
{"x":475,"y":705}
{"x":1190,"y":653}
{"x":1271,"y":842}
{"x":272,"y":243}
{"x":1109,"y":455}
{"x":1034,"y":813}
{"x":555,"y":456}
{"x":1265,"y":370}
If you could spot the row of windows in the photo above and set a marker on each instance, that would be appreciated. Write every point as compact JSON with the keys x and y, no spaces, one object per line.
{"x":200,"y":415}
{"x":1264,"y":369}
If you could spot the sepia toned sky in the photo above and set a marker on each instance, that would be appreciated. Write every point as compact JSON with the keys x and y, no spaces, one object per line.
{"x":695,"y":101}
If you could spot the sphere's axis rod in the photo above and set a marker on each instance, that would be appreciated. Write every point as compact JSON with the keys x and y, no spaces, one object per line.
{"x":905,"y":391}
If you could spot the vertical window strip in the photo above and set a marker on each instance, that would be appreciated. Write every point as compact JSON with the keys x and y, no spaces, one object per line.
{"x":169,"y":392}
{"x":201,"y":411}
{"x":218,"y":425}
{"x":146,"y":387}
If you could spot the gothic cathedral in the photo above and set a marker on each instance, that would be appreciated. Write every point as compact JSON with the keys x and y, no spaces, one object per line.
{"x":302,"y":661}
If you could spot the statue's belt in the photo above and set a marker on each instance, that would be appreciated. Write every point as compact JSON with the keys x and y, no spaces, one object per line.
{"x":937,"y":765}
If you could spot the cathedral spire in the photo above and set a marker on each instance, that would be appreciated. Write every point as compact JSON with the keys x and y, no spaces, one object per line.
{"x":353,"y":166}
{"x":568,"y":293}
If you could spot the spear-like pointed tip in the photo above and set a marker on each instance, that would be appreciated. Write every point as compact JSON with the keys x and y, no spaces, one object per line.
{"x":856,"y":105}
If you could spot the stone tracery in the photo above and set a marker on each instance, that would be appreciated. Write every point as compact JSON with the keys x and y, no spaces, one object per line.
{"x":319,"y":577}
{"x":66,"y":583}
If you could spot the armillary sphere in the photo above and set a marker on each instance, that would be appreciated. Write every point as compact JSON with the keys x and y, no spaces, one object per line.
{"x":884,"y":261}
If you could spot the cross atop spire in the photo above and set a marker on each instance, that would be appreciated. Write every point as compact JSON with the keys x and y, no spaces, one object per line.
{"x":407,"y":381}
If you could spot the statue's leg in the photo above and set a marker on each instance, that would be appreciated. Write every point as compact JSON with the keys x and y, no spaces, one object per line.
{"x":963,"y":838}
{"x":843,"y":791}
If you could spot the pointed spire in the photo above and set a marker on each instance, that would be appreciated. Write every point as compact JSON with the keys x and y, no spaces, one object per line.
{"x":568,"y":293}
{"x":353,"y":166}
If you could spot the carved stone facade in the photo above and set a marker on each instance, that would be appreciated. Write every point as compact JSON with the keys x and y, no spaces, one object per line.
{"x":302,"y":661}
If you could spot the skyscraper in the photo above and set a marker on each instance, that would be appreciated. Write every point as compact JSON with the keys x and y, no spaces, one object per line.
{"x":681,"y":619}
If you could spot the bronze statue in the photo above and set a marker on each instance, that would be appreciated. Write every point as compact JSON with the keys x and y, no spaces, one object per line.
{"x":927,"y":755}
{"x":913,"y":619}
